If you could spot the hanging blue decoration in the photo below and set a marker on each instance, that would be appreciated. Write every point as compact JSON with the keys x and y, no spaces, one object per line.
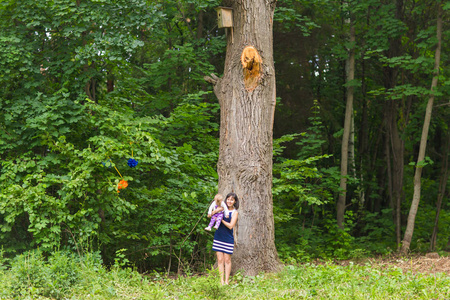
{"x":107,"y":164}
{"x":132,"y":163}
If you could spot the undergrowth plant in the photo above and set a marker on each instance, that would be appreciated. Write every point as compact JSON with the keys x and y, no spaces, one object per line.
{"x":65,"y":275}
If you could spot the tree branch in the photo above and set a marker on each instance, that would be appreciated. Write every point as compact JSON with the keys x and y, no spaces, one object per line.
{"x":444,"y":104}
{"x":213,"y":79}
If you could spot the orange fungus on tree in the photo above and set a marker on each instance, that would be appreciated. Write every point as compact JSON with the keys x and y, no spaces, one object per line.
{"x":251,"y":63}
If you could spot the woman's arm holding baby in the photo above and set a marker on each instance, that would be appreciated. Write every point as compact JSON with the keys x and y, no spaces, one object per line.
{"x":233,"y":221}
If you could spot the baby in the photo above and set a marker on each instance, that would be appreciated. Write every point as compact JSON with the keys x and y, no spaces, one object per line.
{"x":218,"y":216}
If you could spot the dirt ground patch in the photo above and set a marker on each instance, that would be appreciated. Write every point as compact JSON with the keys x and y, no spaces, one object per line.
{"x":430,"y":263}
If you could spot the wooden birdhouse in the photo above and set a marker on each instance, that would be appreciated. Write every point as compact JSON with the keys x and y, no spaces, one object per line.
{"x":224,"y":17}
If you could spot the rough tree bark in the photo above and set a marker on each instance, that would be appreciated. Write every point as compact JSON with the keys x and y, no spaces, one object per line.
{"x":246,"y":94}
{"x":423,"y":141}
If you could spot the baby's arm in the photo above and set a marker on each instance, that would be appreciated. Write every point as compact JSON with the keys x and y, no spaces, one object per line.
{"x":217,"y":210}
{"x":222,"y":207}
{"x":210,"y":210}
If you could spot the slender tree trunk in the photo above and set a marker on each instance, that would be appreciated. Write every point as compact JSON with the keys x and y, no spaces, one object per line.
{"x":109,"y":82}
{"x":395,"y":153}
{"x":389,"y":173}
{"x":351,"y":147}
{"x":363,"y":137}
{"x":441,"y":192}
{"x":340,"y":207}
{"x":170,"y":254}
{"x":246,"y":94}
{"x":394,"y":158}
{"x":423,"y":141}
{"x":200,"y":25}
{"x":398,"y":148}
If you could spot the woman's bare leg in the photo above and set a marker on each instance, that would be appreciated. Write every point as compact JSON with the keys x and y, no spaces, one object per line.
{"x":220,"y":263}
{"x":227,"y":258}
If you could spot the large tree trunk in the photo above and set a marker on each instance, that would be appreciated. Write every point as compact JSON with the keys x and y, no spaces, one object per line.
{"x":423,"y":141}
{"x":246,"y":94}
{"x":340,"y":206}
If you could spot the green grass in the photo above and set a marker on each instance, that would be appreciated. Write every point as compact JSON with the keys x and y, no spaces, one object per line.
{"x":67,"y":276}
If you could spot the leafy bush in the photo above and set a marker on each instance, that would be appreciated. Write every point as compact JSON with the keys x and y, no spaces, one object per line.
{"x":34,"y":275}
{"x":375,"y":227}
{"x":302,"y":188}
{"x":69,"y":196}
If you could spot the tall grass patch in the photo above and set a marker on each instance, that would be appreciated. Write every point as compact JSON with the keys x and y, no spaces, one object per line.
{"x":64,"y":275}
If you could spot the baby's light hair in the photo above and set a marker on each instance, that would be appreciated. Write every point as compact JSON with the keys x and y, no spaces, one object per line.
{"x":218,"y":198}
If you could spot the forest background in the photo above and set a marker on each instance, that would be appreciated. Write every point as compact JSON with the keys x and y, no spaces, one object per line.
{"x":87,"y":85}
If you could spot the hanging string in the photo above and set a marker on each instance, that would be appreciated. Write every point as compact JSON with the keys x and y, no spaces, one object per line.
{"x":116,"y":169}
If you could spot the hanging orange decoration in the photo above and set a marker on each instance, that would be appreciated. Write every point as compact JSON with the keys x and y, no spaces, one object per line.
{"x":122,"y":184}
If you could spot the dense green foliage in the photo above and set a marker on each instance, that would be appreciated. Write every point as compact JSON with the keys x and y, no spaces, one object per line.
{"x":68,"y":276}
{"x":85,"y":85}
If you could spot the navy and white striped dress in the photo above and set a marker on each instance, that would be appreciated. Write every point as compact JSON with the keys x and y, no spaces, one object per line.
{"x":223,"y":237}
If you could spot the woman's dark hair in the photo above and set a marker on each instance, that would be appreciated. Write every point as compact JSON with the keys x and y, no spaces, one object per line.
{"x":236,"y":203}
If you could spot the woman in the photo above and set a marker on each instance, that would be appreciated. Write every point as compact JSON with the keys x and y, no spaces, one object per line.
{"x":223,"y":238}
